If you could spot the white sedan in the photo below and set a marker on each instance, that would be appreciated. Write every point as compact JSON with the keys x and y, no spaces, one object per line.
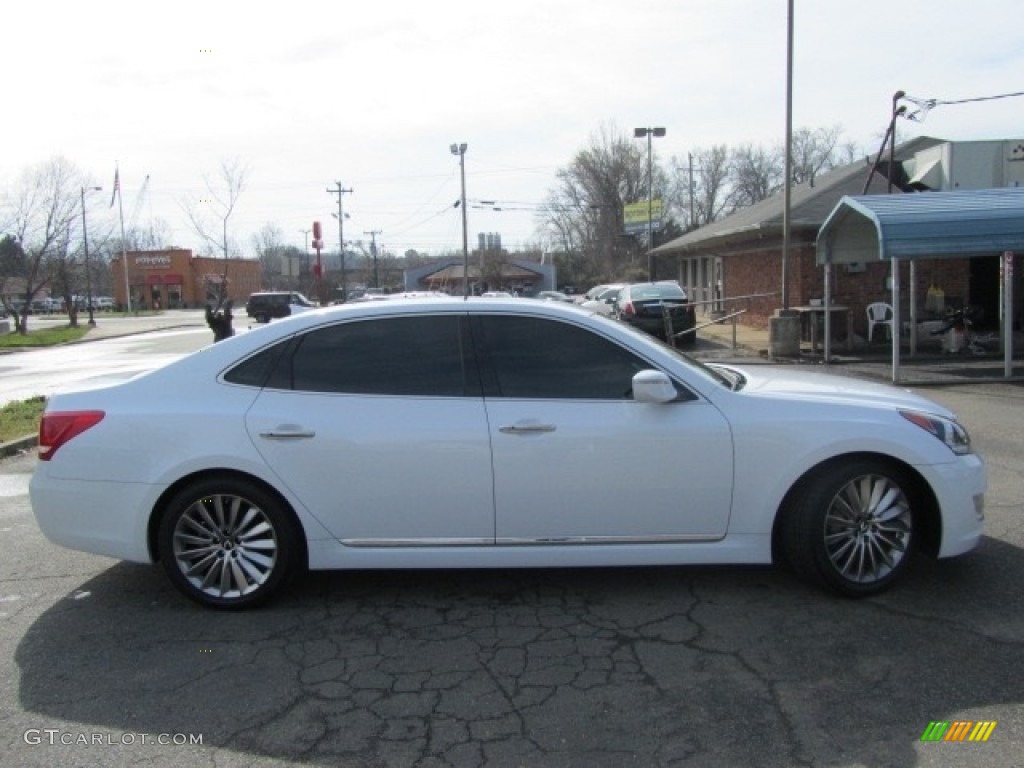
{"x":495,"y":433}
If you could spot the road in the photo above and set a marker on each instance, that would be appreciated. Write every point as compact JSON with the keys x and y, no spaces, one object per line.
{"x":140,"y":348}
{"x":606,"y":667}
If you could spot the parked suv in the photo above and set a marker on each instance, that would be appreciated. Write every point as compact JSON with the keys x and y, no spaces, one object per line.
{"x":643,"y":305}
{"x":271,"y":304}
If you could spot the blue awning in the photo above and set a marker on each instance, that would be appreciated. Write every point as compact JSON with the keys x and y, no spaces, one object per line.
{"x":923,"y":225}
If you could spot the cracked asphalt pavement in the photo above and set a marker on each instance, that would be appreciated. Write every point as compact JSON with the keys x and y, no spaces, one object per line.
{"x":720,"y":666}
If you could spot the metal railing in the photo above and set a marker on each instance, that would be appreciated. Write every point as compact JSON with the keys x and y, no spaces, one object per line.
{"x":731,"y":317}
{"x":717,"y":321}
{"x":746,"y":297}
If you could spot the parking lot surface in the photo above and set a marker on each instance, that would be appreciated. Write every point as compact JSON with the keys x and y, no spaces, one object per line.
{"x":102,"y":663}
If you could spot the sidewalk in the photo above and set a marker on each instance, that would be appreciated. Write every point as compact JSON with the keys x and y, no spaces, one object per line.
{"x":109,"y":327}
{"x":929,"y":367}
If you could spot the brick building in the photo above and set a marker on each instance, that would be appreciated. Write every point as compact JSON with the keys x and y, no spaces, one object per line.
{"x":741,"y":255}
{"x":175,"y":279}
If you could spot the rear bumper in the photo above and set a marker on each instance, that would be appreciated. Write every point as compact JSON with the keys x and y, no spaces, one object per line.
{"x":102,"y":518}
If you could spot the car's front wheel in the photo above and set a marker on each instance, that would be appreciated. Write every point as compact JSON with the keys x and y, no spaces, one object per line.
{"x":851,"y":527}
{"x":227,"y":543}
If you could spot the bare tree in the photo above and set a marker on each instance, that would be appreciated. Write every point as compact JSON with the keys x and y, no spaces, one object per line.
{"x":41,"y":214}
{"x":270,"y":248}
{"x":12,"y":260}
{"x":209,"y":216}
{"x":584,"y":213}
{"x":814,"y":151}
{"x":152,"y":238}
{"x":707,"y":199}
{"x":757,"y":174}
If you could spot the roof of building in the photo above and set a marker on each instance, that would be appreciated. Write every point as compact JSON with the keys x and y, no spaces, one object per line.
{"x":964,"y":223}
{"x":810,"y":205}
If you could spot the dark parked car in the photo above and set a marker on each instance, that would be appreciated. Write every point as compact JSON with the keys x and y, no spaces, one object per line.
{"x":273,"y":304}
{"x":644,"y":306}
{"x":554,"y":296}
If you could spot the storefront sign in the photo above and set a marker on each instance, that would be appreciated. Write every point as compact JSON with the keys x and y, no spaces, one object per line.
{"x":152,"y":262}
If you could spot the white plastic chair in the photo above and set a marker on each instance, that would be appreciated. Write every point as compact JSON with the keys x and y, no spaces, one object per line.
{"x":880,"y":313}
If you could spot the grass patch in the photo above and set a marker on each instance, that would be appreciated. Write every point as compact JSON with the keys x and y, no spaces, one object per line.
{"x":20,"y":418}
{"x":42,"y":337}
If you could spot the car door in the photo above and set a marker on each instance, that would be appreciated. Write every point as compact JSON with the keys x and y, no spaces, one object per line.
{"x":377,"y":426}
{"x":577,"y":460}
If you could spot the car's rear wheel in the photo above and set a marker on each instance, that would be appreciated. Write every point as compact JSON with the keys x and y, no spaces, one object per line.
{"x":227,"y":543}
{"x":851,"y":527}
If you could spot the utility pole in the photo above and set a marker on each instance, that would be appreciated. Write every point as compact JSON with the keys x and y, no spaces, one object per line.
{"x":460,"y":151}
{"x":341,"y":192}
{"x":693,"y":217}
{"x":373,"y":252}
{"x":305,"y":258}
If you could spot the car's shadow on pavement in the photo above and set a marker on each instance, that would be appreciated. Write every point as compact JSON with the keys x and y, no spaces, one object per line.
{"x":606,"y":667}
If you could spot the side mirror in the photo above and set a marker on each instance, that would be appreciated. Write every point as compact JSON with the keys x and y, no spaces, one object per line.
{"x":653,"y":387}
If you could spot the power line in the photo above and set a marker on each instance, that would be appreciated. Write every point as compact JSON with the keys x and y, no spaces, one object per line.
{"x":924,"y":106}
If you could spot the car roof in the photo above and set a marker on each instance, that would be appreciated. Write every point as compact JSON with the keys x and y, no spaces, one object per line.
{"x":236,"y":346}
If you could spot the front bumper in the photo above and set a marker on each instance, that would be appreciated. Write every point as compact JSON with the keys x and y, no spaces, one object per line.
{"x":960,"y":490}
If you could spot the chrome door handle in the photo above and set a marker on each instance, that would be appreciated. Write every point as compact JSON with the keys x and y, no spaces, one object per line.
{"x":288,"y":434}
{"x":519,"y":429}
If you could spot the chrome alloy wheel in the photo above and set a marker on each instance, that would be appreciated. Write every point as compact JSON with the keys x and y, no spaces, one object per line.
{"x":225,"y":546}
{"x":867,"y":528}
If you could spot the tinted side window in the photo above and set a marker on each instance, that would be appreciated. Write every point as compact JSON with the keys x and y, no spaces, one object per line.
{"x":388,"y":356}
{"x":534,"y":357}
{"x":254,"y":371}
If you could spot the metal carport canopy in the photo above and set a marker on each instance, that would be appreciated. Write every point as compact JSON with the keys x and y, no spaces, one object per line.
{"x":922,"y":225}
{"x":926,"y":225}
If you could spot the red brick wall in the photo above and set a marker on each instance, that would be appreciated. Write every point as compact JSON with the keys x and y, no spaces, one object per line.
{"x":758,"y":270}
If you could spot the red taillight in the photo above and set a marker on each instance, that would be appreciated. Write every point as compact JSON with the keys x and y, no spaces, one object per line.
{"x":58,"y":427}
{"x":628,"y":309}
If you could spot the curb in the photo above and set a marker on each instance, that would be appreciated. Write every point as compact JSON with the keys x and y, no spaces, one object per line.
{"x":19,"y":445}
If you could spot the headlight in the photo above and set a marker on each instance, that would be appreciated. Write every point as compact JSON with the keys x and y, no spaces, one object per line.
{"x":948,"y":431}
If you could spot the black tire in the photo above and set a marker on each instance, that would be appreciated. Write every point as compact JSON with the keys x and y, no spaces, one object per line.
{"x":851,"y":527}
{"x":227,"y":543}
{"x":262,"y":317}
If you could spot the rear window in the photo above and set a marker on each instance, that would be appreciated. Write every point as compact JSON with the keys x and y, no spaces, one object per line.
{"x":269,"y":298}
{"x":667,"y":291}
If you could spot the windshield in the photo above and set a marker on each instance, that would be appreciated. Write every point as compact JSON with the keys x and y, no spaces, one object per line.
{"x":723,"y":377}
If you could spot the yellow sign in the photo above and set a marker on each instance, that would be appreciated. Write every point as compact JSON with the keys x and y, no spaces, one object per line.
{"x":635,"y":216}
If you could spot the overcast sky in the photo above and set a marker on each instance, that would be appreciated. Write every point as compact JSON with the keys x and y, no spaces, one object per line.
{"x":372,"y":94}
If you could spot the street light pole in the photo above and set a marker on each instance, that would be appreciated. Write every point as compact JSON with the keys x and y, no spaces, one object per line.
{"x":85,"y":245}
{"x":460,"y":150}
{"x":640,"y":133}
